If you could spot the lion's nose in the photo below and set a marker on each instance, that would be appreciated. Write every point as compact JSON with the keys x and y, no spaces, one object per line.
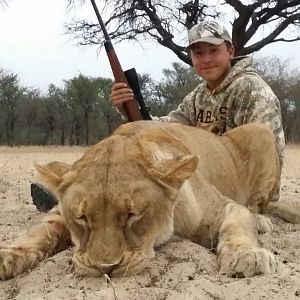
{"x":108,"y":268}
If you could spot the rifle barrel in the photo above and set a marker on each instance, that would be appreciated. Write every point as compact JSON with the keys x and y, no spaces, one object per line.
{"x":131,"y":108}
{"x":106,"y":36}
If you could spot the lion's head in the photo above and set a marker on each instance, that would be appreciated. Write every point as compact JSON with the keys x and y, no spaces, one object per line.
{"x":118,"y":199}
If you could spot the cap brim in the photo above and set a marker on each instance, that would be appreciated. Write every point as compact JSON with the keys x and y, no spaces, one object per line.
{"x":209,"y":40}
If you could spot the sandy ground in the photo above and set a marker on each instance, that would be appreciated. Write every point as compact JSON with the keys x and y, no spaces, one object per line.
{"x":181,"y":269}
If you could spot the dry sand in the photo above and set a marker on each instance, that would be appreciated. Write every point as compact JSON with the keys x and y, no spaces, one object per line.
{"x":181,"y":269}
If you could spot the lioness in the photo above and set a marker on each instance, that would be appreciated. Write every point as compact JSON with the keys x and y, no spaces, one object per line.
{"x":132,"y":190}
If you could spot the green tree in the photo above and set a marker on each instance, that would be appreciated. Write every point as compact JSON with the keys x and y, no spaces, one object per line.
{"x":285,"y":83}
{"x":109,"y":117}
{"x":277,"y":73}
{"x":10,"y":94}
{"x":63,"y":111}
{"x":82,"y":92}
{"x":150,"y":95}
{"x":29,"y":112}
{"x":294,"y":109}
{"x":46,"y":121}
{"x":176,"y":84}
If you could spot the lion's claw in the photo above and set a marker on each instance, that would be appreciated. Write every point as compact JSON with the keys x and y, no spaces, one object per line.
{"x":247,"y":262}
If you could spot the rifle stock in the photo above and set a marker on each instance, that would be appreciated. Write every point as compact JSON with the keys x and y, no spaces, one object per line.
{"x":131,"y":108}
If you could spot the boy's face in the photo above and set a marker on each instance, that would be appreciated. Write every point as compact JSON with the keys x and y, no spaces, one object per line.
{"x":212,"y":62}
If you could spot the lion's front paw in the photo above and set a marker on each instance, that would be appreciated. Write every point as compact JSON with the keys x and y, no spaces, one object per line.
{"x":14,"y":261}
{"x":247,"y":262}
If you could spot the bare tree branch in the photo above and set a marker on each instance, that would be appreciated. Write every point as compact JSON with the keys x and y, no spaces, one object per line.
{"x":4,"y":3}
{"x":167,"y":22}
{"x":271,"y":38}
{"x":237,"y":5}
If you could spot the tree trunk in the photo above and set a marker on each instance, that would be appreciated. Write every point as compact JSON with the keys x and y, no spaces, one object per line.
{"x":11,"y":129}
{"x":77,"y":133}
{"x":86,"y":120}
{"x":62,"y":137}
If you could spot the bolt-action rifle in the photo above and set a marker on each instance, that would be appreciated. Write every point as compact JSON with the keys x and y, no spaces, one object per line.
{"x":135,"y":110}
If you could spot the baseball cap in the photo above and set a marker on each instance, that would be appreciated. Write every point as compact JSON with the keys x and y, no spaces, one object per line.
{"x":209,"y":32}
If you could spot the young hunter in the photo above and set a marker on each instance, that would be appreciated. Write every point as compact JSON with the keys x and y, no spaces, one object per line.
{"x":231,"y":94}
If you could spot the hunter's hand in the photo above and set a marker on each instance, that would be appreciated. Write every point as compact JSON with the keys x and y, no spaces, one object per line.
{"x":121,"y":93}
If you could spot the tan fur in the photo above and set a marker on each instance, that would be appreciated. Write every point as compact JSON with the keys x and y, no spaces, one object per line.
{"x":131,"y":191}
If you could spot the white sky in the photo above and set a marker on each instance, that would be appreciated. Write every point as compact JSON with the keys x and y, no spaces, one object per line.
{"x":33,"y":45}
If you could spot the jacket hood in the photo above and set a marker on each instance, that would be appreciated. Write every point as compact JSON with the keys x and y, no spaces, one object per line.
{"x":240,"y":66}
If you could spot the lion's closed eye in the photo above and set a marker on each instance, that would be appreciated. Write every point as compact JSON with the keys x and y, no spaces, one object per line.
{"x":81,"y":220}
{"x":83,"y":230}
{"x":133,"y":218}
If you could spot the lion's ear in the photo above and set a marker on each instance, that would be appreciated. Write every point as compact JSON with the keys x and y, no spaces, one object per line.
{"x":173,"y":172}
{"x":52,"y":173}
{"x":166,"y":158}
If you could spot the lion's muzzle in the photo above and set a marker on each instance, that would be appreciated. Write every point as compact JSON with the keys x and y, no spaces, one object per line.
{"x":131,"y":262}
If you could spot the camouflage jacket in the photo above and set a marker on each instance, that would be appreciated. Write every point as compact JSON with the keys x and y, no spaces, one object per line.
{"x":243,"y":97}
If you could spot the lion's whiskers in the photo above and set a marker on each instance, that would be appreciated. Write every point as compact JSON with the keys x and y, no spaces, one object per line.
{"x":127,"y":268}
{"x":109,"y":281}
